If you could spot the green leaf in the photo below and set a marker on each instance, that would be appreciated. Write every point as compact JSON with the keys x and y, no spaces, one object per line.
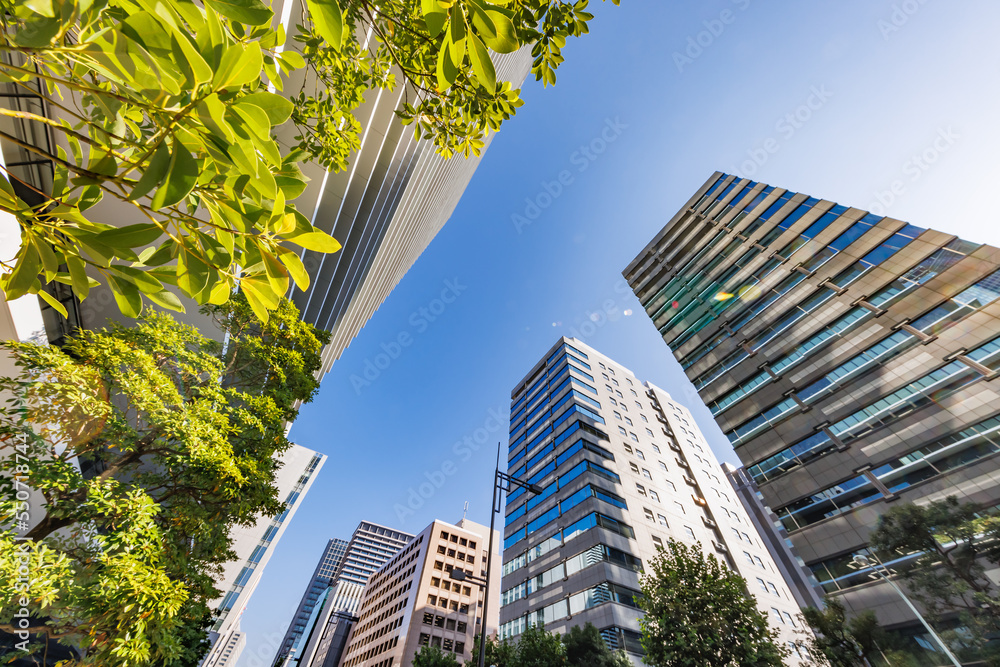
{"x":180,"y":180}
{"x":155,"y":172}
{"x":434,"y":15}
{"x":126,"y":296}
{"x":131,"y":236}
{"x":43,"y":7}
{"x":145,"y":282}
{"x":249,"y":12}
{"x":295,"y":268}
{"x":25,"y":272}
{"x":447,"y":73}
{"x":317,"y":240}
{"x":277,"y":107}
{"x":78,"y":276}
{"x":277,"y":274}
{"x":192,"y":272}
{"x":239,"y":66}
{"x":51,"y":300}
{"x":260,"y":296}
{"x":166,"y":299}
{"x":329,"y":21}
{"x":482,"y":65}
{"x":505,"y":40}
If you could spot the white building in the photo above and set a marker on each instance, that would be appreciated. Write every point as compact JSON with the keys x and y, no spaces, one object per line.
{"x":624,"y":467}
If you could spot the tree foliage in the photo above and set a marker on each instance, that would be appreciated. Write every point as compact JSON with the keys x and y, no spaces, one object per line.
{"x":535,"y":647}
{"x":147,"y":446}
{"x":698,"y":614}
{"x":586,"y":648}
{"x":430,"y":656}
{"x":849,"y":642}
{"x":955,"y":543}
{"x":164,"y":107}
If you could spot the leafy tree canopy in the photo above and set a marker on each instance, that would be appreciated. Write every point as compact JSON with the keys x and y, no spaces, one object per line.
{"x":430,"y":656}
{"x":147,"y":445}
{"x":166,"y":108}
{"x":586,"y":648}
{"x":535,"y":647}
{"x":956,"y":542}
{"x":699,"y":614}
{"x":849,"y":642}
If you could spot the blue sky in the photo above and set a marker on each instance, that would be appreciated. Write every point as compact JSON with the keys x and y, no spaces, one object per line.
{"x":848,"y":100}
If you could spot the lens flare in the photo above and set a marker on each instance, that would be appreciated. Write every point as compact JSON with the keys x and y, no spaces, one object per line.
{"x":749,"y":293}
{"x":724,"y":296}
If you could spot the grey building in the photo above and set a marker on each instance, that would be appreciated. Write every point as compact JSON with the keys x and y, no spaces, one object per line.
{"x":324,"y":636}
{"x":623,"y":468}
{"x":850,"y":359}
{"x":314,"y":595}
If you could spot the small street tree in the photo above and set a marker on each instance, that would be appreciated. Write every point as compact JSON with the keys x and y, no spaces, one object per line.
{"x":586,"y":648}
{"x":698,"y":613}
{"x":147,"y":445}
{"x":430,"y":656}
{"x":535,"y":647}
{"x":166,"y":108}
{"x":858,"y":641}
{"x":955,"y":543}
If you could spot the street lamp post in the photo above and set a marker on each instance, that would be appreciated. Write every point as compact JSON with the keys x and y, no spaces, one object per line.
{"x":881,"y":571}
{"x":502,"y":483}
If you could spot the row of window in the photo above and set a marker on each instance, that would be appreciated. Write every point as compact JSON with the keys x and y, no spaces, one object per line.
{"x":932,"y":386}
{"x":574,"y":604}
{"x":561,"y":538}
{"x":443,"y":643}
{"x":599,"y":553}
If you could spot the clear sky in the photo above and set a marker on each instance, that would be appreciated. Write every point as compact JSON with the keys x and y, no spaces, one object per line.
{"x":851,"y":97}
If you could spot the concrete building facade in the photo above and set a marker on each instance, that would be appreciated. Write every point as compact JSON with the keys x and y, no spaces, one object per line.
{"x":624,"y":468}
{"x":850,"y":358}
{"x":254,"y":546}
{"x":413,"y":601}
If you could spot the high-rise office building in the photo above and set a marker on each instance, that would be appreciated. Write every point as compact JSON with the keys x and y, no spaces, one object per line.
{"x":253,"y":546}
{"x":314,"y":595}
{"x":850,"y":359}
{"x":323,"y":639}
{"x":624,"y":468}
{"x":413,"y":600}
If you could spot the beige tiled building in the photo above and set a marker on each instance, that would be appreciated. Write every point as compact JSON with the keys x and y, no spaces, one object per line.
{"x":413,"y":600}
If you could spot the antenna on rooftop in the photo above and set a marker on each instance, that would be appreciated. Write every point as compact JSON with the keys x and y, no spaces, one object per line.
{"x":465,"y":510}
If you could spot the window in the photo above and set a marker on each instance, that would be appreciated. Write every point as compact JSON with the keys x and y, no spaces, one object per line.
{"x":645,"y":473}
{"x":777,"y":615}
{"x":634,"y":437}
{"x":449,"y":624}
{"x":641,"y":489}
{"x":618,"y":415}
{"x":634,"y":468}
{"x":774,"y":589}
{"x":441,"y":549}
{"x":435,"y":581}
{"x":438,"y":565}
{"x":639,"y":453}
{"x":638,"y":404}
{"x":760,"y":563}
{"x":432,"y":600}
{"x":614,"y":382}
{"x":621,"y":429}
{"x":628,"y":421}
{"x":680,"y":508}
{"x":643,"y":417}
{"x":462,"y":626}
{"x":745,"y":536}
{"x":649,"y":514}
{"x":428,"y":618}
{"x":608,"y":387}
{"x":628,"y":448}
{"x":463,"y":541}
{"x":654,"y":495}
{"x":628,"y":380}
{"x":424,"y":639}
{"x":612,"y":371}
{"x":657,"y":541}
{"x":618,"y":394}
{"x":449,"y":644}
{"x":459,"y":647}
{"x":633,"y":392}
{"x":603,"y":367}
{"x":748,"y":557}
{"x":663,"y":520}
{"x":656,"y":448}
{"x":605,"y":376}
{"x":689,"y":532}
{"x":451,"y":553}
{"x":663,"y":466}
{"x":763,"y":586}
{"x":789,"y":619}
{"x":613,"y":401}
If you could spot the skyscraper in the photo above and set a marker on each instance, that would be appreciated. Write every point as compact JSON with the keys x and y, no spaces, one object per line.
{"x":413,"y":600}
{"x":624,"y":467}
{"x":369,"y":548}
{"x":253,"y":546}
{"x":320,"y":581}
{"x":850,"y":359}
